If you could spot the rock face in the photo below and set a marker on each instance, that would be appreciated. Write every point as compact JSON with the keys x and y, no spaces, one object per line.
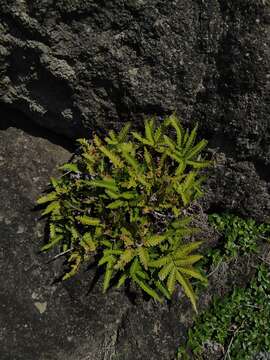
{"x":76,"y":65}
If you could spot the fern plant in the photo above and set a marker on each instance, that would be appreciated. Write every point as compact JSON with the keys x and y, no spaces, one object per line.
{"x":121,"y":201}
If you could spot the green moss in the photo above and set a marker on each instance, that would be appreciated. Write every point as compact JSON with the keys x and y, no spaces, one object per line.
{"x":238,"y":236}
{"x":120,"y":202}
{"x":239,"y":323}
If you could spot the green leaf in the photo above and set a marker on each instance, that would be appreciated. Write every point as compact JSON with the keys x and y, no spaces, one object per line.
{"x":191,"y":139}
{"x":107,"y":277}
{"x":87,"y":220}
{"x":187,"y":289}
{"x":46,"y":198}
{"x":146,"y":288}
{"x":141,"y":139}
{"x":108,"y":184}
{"x":69,"y":167}
{"x":114,"y":158}
{"x":163,"y":289}
{"x":171,"y":280}
{"x":143,"y":256}
{"x":52,"y":243}
{"x":154,"y":240}
{"x":186,"y":249}
{"x":87,"y":242}
{"x":189,"y":260}
{"x":125,"y":258}
{"x":199,"y":164}
{"x":116,"y":204}
{"x":124,"y":133}
{"x":148,"y":125}
{"x":52,"y":207}
{"x":191,"y":272}
{"x":164,"y":272}
{"x":159,"y":262}
{"x":191,"y":154}
{"x":121,"y":281}
{"x":178,"y":129}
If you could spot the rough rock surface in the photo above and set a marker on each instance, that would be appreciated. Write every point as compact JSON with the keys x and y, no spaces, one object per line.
{"x":74,"y":65}
{"x":237,"y":187}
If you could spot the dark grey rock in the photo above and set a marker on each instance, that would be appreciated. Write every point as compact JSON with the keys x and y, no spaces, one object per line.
{"x":76,"y":65}
{"x":237,"y":187}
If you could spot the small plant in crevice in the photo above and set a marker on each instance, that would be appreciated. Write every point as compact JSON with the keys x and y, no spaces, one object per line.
{"x":237,"y":325}
{"x":240,"y":236}
{"x":121,"y":202}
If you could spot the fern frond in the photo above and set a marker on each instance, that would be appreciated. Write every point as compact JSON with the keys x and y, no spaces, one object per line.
{"x":117,"y":162}
{"x":70,"y":167}
{"x":199,"y":164}
{"x":74,"y":261}
{"x":181,"y":168}
{"x":159,"y":262}
{"x":175,"y":123}
{"x":154,"y":240}
{"x":52,"y":230}
{"x":112,"y":138}
{"x":191,"y":139}
{"x":171,"y":280}
{"x":87,"y":242}
{"x":180,"y":223}
{"x":51,"y":208}
{"x":52,"y":243}
{"x":164,"y":272}
{"x":87,"y":220}
{"x":189,"y":181}
{"x":47,"y":198}
{"x":192,"y":272}
{"x":108,"y":184}
{"x":121,"y":281}
{"x":107,"y":277}
{"x":106,"y":259}
{"x":122,"y":137}
{"x":116,"y":204}
{"x":186,"y":249}
{"x":189,"y":260}
{"x":146,"y":288}
{"x":148,"y":159}
{"x":137,"y":136}
{"x":148,"y":125}
{"x":131,"y":160}
{"x":164,"y":291}
{"x":143,"y":256}
{"x":171,"y":144}
{"x":125,"y":258}
{"x":192,"y":153}
{"x":112,"y":194}
{"x":183,"y":281}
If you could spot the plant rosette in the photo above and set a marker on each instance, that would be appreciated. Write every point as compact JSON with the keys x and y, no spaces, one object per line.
{"x":121,"y":201}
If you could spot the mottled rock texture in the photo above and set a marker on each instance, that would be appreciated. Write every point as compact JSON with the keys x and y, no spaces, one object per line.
{"x":72,"y":65}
